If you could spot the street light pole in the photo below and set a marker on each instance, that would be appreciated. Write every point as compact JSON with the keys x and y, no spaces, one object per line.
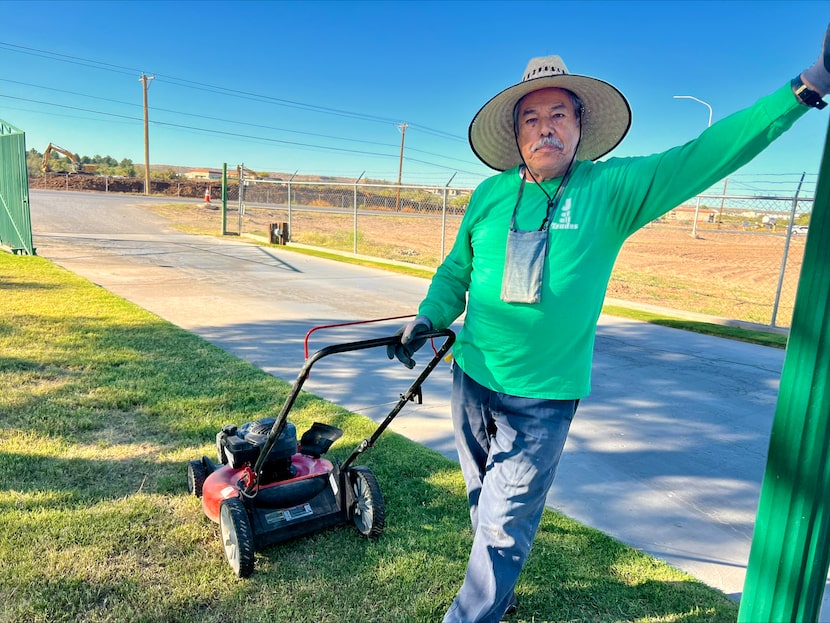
{"x":697,"y":204}
{"x":691,"y":97}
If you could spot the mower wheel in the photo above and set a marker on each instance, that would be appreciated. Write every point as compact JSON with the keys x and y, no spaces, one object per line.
{"x":237,"y":536}
{"x":196,"y":476}
{"x":369,"y":513}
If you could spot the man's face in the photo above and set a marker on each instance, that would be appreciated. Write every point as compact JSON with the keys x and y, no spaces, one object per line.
{"x":548,"y":129}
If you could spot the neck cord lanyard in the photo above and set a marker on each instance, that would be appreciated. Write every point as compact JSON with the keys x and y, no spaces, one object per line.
{"x":553,"y":202}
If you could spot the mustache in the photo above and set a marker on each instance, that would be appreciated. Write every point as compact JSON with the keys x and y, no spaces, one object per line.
{"x":547,"y":141}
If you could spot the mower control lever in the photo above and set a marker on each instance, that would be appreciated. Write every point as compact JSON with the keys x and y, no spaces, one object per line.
{"x":417,"y":397}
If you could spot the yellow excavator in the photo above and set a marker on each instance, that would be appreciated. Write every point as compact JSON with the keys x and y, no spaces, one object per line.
{"x":77,"y":167}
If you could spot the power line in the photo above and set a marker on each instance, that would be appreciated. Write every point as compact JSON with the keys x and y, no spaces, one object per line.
{"x":67,"y":59}
{"x":190,"y":127}
{"x":242,"y":123}
{"x":218,"y":89}
{"x":247,"y":136}
{"x":209,"y":118}
{"x":183,"y":83}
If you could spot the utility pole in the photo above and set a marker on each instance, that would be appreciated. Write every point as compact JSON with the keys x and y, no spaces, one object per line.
{"x":402,"y":127}
{"x":145,"y":82}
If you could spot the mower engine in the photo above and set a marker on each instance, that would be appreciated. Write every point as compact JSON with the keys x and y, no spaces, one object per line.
{"x":238,"y":446}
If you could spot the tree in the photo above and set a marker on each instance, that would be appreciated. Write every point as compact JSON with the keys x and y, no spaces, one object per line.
{"x":105,"y":165}
{"x":127,"y":168}
{"x":169,"y":174}
{"x":33,"y":160}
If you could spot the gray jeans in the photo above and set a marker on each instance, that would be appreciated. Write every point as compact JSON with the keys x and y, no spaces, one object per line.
{"x":509,"y":449}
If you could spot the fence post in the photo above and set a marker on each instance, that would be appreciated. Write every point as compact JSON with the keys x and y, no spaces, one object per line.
{"x":788,"y":561}
{"x":723,"y":200}
{"x":354,"y":244}
{"x":780,"y":285}
{"x":240,"y":201}
{"x":225,"y":196}
{"x":444,"y":218}
{"x":290,"y":226}
{"x":694,"y":223}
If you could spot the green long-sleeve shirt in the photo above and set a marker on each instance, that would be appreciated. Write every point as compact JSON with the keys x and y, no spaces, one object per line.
{"x":544,"y":350}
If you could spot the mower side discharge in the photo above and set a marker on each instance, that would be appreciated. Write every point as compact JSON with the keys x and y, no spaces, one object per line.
{"x":266,"y":488}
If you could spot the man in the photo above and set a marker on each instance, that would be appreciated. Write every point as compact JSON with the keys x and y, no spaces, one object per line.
{"x":531,"y":264}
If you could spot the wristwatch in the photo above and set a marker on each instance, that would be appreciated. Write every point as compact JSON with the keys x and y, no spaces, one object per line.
{"x":806,"y":95}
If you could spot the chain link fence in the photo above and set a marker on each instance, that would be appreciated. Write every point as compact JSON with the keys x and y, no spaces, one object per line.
{"x":415,"y":224}
{"x":720,"y":254}
{"x":733,"y":252}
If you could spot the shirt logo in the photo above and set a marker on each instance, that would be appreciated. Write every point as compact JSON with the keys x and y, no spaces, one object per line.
{"x":563,"y":220}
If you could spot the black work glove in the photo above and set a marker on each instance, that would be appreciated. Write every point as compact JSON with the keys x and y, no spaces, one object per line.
{"x":818,"y":74}
{"x":410,"y":342}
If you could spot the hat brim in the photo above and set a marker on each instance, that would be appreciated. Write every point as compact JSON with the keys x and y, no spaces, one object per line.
{"x":606,"y":119}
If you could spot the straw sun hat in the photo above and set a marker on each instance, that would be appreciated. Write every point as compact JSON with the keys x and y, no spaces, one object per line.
{"x":606,"y":115}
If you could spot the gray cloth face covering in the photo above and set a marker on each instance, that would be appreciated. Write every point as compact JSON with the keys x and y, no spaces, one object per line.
{"x":524,"y":262}
{"x":524,"y":266}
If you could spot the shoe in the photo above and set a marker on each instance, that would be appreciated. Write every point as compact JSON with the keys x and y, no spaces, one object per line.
{"x":512,"y":605}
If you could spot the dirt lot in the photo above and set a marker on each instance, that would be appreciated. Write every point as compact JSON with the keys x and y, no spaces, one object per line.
{"x":172,"y":188}
{"x":730,"y":274}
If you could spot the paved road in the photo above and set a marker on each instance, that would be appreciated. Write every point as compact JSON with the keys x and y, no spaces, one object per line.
{"x":667,"y":454}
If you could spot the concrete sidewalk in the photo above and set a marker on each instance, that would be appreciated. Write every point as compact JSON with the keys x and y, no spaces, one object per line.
{"x":666,"y":455}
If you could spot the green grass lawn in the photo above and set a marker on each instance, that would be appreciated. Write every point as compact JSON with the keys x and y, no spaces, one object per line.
{"x":102,"y":406}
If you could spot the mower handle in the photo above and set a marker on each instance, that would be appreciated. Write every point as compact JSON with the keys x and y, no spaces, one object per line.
{"x":345,"y":324}
{"x":282,"y":418}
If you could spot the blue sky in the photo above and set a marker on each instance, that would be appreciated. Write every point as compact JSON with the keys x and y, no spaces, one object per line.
{"x":322,"y":87}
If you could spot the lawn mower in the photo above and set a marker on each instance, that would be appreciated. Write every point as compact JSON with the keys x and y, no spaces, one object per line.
{"x":266,"y":488}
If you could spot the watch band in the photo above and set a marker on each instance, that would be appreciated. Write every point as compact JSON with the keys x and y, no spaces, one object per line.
{"x":806,"y":95}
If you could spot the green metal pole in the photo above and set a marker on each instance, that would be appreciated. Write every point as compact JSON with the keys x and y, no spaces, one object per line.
{"x":790,"y":552}
{"x":225,"y":197}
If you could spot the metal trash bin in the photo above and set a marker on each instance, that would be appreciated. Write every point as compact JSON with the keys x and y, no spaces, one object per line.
{"x":278,"y":233}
